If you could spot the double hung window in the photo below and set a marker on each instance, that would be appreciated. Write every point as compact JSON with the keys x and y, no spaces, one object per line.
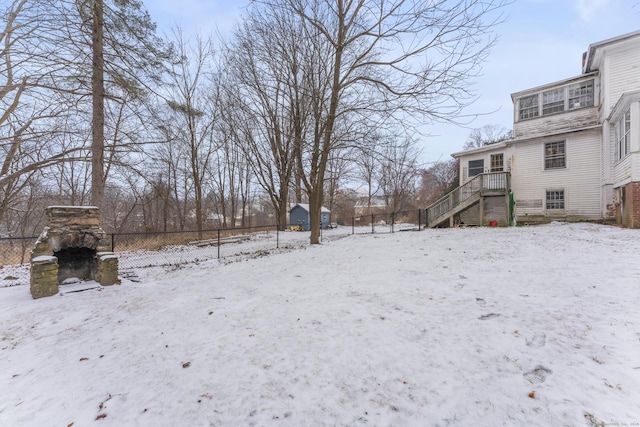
{"x":553,"y":101}
{"x":497,"y":162}
{"x":554,"y":155}
{"x":528,"y":107}
{"x":624,"y":135}
{"x":580,"y":95}
{"x":476,"y":167}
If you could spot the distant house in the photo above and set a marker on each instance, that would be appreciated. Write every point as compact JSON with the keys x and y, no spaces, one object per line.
{"x":299,"y":216}
{"x":575,"y":151}
{"x":368,"y":206}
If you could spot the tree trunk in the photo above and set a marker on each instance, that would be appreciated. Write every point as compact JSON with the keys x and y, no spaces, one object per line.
{"x":97,"y":88}
{"x":315,"y":206}
{"x":282,"y":205}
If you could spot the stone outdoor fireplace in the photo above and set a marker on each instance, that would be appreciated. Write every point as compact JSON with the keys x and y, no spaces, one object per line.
{"x":72,"y":245}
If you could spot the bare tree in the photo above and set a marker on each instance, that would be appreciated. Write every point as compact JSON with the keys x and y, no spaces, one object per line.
{"x":487,"y":135}
{"x":384,"y":60}
{"x":338,"y":171}
{"x":35,"y":117}
{"x":267,"y":66}
{"x":437,"y":180}
{"x":102,"y":49}
{"x":399,"y":174}
{"x":230,"y":177}
{"x":194,"y":112}
{"x":46,"y":64}
{"x":368,"y":163}
{"x":233,"y":173}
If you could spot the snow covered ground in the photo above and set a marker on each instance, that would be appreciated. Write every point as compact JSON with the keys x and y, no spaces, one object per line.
{"x":535,"y":326}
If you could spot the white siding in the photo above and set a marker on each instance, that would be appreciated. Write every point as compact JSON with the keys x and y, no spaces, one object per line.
{"x":580,"y":179}
{"x":612,"y":154}
{"x":623,"y":74}
{"x":608,"y":153}
{"x":559,"y":122}
{"x":622,"y":170}
{"x":527,"y":192}
{"x":628,"y":169}
{"x":592,"y":167}
{"x":635,"y":141}
{"x":486,"y":156}
{"x":635,"y":166}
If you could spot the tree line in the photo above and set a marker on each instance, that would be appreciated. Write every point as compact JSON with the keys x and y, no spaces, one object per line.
{"x":302,"y":99}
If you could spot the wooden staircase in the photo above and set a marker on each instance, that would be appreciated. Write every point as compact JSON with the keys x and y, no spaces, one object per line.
{"x":467,"y":195}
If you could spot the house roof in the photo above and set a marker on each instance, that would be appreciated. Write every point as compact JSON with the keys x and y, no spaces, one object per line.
{"x":623,"y":104}
{"x":509,"y":142}
{"x":590,"y":63}
{"x":489,"y":147}
{"x":540,"y":88}
{"x":374,"y":201}
{"x":305,"y":206}
{"x":590,"y":66}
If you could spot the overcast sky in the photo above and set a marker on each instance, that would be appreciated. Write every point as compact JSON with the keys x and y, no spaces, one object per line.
{"x":541,"y":42}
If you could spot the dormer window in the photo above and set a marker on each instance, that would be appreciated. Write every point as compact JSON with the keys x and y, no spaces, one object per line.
{"x":565,"y":98}
{"x":553,"y":101}
{"x":528,"y":107}
{"x":580,"y":95}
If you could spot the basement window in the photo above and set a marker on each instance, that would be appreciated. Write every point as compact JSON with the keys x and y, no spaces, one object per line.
{"x":555,"y":200}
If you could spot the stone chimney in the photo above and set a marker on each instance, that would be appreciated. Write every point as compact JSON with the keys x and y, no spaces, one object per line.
{"x":72,"y":245}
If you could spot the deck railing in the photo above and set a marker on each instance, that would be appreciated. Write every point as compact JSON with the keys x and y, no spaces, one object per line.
{"x":493,"y":181}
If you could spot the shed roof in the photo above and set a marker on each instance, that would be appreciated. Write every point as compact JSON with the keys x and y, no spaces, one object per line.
{"x":305,"y":206}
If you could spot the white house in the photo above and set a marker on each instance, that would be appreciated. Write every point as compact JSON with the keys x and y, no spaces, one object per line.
{"x":575,"y":152}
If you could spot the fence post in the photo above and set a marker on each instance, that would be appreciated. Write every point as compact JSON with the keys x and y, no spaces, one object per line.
{"x":353,"y":225}
{"x":426,"y":218}
{"x":373,"y":218}
{"x":393,"y":221}
{"x":419,"y":219}
{"x":113,"y":242}
{"x":278,"y":236}
{"x":218,"y":243}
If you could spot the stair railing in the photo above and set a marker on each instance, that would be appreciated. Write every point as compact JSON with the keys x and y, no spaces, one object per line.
{"x":471,"y":188}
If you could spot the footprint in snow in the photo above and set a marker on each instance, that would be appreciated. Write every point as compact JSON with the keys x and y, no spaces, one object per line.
{"x":489,"y":316}
{"x":537,"y":341}
{"x":481,"y":301}
{"x":538,"y":375}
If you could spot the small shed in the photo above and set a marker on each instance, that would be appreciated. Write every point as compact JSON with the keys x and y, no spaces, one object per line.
{"x":299,"y":217}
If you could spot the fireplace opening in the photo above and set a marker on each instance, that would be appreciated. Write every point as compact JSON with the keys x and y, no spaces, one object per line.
{"x":75,"y":263}
{"x":72,"y":245}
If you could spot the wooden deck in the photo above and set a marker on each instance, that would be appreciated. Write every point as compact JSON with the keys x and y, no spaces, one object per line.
{"x":493,"y":184}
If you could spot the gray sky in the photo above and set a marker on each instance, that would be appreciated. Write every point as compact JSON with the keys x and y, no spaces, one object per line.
{"x":541,"y":42}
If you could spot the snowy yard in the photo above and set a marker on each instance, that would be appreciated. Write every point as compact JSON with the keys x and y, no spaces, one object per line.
{"x":528,"y":326}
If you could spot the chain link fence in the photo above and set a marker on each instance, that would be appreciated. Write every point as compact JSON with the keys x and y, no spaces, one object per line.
{"x":389,"y":222}
{"x":14,"y":260}
{"x":175,"y":248}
